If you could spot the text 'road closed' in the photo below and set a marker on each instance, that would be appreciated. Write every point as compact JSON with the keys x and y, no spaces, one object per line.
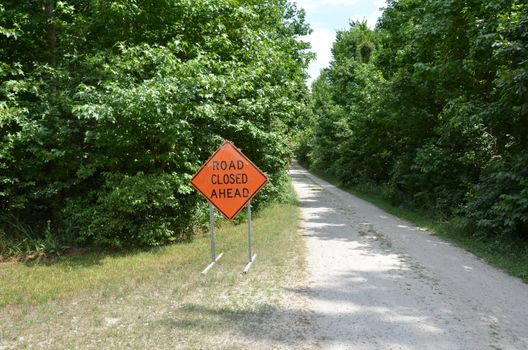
{"x":229,"y":180}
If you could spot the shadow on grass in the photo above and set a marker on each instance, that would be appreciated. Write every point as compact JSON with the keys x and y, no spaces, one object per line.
{"x":90,"y":256}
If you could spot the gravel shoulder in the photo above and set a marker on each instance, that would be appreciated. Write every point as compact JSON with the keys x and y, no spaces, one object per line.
{"x":378,"y":282}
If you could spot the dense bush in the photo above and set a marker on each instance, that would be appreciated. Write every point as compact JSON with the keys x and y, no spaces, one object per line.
{"x":108,"y":107}
{"x":436,"y":113}
{"x":498,"y":204}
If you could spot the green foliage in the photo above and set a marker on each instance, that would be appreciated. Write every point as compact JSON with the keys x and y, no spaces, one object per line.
{"x":498,"y":204}
{"x":436,"y":113}
{"x":104,"y":119}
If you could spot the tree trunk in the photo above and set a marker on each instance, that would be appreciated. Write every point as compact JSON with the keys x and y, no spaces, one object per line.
{"x":52,"y":34}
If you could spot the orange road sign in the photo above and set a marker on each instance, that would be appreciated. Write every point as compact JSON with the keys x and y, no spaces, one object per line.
{"x":229,"y":180}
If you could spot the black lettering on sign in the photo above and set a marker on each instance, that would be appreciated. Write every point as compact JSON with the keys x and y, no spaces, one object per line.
{"x":229,"y":179}
{"x":230,"y":193}
{"x":224,"y":165}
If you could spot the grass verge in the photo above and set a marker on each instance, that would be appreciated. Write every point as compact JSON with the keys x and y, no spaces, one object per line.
{"x":159,"y":299}
{"x":510,"y":257}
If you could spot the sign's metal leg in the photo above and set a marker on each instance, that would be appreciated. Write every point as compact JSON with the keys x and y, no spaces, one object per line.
{"x":214,"y":258}
{"x":211,"y":227}
{"x":251,"y":257}
{"x":249,"y":231}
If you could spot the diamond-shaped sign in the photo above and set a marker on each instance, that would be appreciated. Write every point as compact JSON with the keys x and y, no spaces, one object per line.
{"x":229,"y":180}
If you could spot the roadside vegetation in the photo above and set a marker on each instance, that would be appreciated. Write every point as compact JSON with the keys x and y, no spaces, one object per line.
{"x":157,"y":298}
{"x":427,"y":113}
{"x":107,"y":108}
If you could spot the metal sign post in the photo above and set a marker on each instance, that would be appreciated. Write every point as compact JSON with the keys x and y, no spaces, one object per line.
{"x":251,"y":257}
{"x":214,"y":258}
{"x":211,"y":228}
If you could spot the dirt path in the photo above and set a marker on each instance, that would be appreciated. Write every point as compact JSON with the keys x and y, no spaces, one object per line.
{"x":378,"y":282}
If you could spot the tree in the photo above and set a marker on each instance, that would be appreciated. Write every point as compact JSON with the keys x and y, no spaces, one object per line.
{"x":432,"y":107}
{"x":104,"y":119}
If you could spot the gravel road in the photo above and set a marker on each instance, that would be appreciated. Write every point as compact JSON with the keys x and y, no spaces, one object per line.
{"x":378,"y":282}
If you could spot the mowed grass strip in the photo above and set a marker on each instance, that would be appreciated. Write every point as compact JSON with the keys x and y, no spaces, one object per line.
{"x":62,"y":277}
{"x":274,"y":241}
